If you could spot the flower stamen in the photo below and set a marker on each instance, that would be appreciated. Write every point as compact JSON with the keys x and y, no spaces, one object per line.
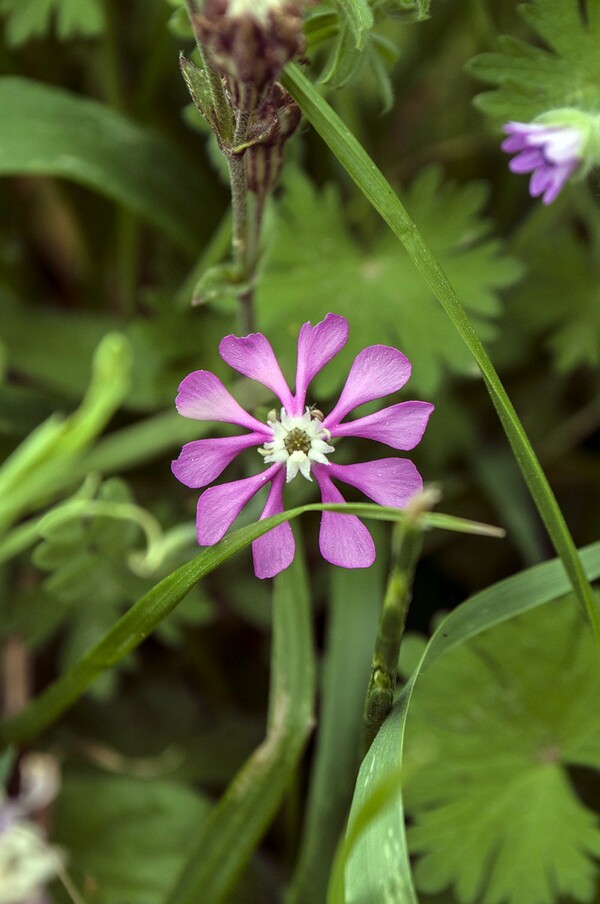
{"x":297,"y":442}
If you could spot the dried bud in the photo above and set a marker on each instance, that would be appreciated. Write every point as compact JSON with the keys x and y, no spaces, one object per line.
{"x":249,"y":42}
{"x":268,"y":130}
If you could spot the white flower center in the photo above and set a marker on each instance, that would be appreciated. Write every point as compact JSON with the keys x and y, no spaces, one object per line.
{"x":297,"y":442}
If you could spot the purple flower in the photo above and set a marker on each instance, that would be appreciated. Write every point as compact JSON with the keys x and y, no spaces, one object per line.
{"x":551,"y":152}
{"x":297,"y":439}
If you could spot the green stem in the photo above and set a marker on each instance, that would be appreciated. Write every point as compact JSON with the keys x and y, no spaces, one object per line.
{"x":407,"y":540}
{"x":379,"y":192}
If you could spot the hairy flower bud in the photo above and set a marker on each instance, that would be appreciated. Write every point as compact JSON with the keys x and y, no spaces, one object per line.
{"x":249,"y":42}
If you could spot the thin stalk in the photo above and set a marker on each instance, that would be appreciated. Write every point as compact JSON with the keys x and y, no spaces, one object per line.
{"x":407,"y":540}
{"x":381,"y":195}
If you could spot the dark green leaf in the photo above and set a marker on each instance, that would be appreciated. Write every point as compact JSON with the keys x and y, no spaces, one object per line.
{"x":50,"y":132}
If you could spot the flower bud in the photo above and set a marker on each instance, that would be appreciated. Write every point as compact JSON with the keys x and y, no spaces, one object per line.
{"x":249,"y":42}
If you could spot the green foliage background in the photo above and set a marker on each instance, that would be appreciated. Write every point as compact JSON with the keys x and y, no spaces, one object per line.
{"x":112,"y":205}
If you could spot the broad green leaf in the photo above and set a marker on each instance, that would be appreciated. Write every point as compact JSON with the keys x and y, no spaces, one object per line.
{"x":313,"y":259}
{"x":26,"y":19}
{"x":531,"y":80}
{"x":489,"y":746}
{"x":126,"y":837}
{"x":238,"y":821}
{"x":377,"y":863}
{"x":51,"y":132}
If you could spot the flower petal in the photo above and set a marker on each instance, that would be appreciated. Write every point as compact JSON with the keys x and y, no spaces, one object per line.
{"x":203,"y":460}
{"x":389,"y":481}
{"x":274,"y":551}
{"x":343,"y":539}
{"x":317,"y":345}
{"x":218,"y":507}
{"x":253,"y":356}
{"x":527,"y":161}
{"x":400,"y":426}
{"x":202,"y":396}
{"x":375,"y":372}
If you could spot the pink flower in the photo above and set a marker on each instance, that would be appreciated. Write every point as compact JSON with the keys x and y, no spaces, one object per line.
{"x":297,"y":439}
{"x":551,"y":152}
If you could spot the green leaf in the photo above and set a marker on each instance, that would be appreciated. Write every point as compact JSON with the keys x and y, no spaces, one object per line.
{"x":531,"y":80}
{"x":240,"y":818}
{"x":377,"y":861}
{"x":488,"y":747}
{"x":406,"y":313}
{"x":50,"y":132}
{"x":560,"y":299}
{"x":26,"y":19}
{"x":354,"y":607}
{"x":126,"y":837}
{"x":358,"y":15}
{"x":380,"y":194}
{"x":154,"y":606}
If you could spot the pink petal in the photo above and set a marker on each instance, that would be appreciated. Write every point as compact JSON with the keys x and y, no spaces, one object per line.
{"x":218,"y":507}
{"x":317,"y":345}
{"x":202,"y":396}
{"x":376,"y":371}
{"x":253,"y":356}
{"x":389,"y":481}
{"x":274,"y":551}
{"x":202,"y":461}
{"x":343,"y":539}
{"x":400,"y":426}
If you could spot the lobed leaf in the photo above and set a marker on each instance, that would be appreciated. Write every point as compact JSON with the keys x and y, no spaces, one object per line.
{"x":378,"y":864}
{"x":532,"y":80}
{"x":343,"y":274}
{"x":489,"y":746}
{"x":27,"y":19}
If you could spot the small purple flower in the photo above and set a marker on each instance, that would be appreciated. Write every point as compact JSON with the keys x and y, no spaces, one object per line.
{"x":296,"y":439}
{"x":551,"y":152}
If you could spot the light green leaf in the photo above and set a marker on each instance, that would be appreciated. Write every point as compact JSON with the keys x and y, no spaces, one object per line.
{"x":488,"y":745}
{"x":26,"y":19}
{"x":531,"y":80}
{"x":50,"y":132}
{"x":317,"y":265}
{"x":378,"y":862}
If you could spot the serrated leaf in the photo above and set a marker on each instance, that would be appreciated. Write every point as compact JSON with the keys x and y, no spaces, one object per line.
{"x":26,"y":19}
{"x":532,"y":80}
{"x":489,"y":746}
{"x":315,"y":265}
